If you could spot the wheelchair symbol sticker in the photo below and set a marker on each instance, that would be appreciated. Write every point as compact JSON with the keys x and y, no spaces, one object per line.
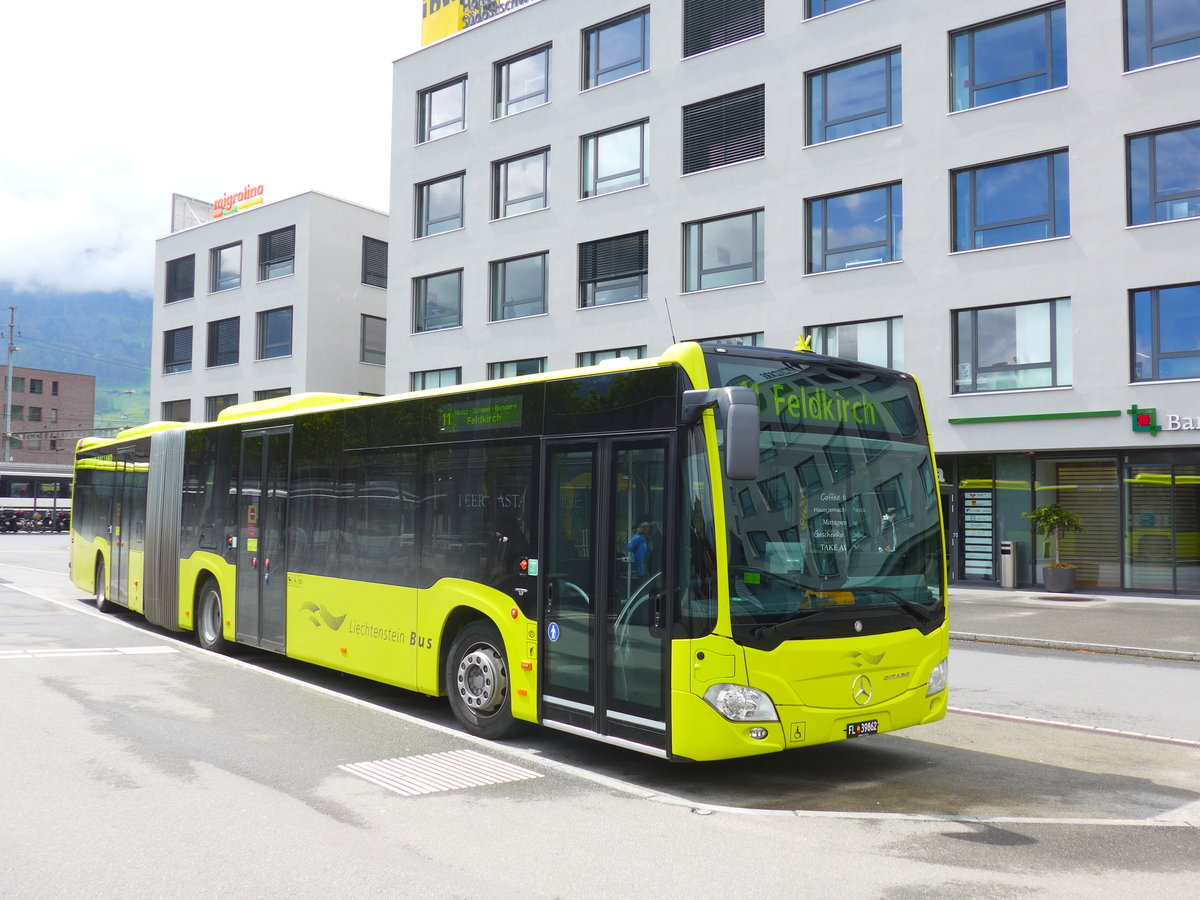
{"x":552,"y":631}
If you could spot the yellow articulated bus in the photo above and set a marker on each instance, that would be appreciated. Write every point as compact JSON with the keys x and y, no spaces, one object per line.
{"x":720,"y":552}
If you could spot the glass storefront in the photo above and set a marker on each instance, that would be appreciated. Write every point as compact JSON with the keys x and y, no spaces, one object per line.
{"x":1141,"y":512}
{"x":1162,"y":544}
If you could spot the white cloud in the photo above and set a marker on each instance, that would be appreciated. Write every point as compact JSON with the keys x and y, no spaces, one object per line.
{"x":117,"y":106}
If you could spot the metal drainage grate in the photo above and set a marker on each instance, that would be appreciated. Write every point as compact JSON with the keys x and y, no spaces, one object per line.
{"x":412,"y":776}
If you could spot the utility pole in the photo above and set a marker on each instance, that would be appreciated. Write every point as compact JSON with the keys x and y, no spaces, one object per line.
{"x":12,"y":348}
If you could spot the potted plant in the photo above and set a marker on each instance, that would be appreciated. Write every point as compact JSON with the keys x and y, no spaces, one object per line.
{"x":1055,"y":521}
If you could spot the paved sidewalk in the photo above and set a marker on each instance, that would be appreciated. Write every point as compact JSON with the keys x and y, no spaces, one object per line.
{"x":1163,"y":628}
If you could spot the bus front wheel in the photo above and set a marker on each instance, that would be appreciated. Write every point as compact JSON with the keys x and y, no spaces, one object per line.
{"x":477,"y":681}
{"x":210,"y":616}
{"x":103,"y":604}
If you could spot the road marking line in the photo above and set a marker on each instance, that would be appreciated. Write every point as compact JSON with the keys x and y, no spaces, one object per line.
{"x":1072,"y":726}
{"x":73,"y":652}
{"x":412,"y":776}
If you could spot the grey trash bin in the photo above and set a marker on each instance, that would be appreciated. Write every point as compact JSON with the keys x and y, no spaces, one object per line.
{"x":1008,"y":564}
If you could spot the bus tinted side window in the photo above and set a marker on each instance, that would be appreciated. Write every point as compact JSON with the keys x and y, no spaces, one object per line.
{"x":378,"y":517}
{"x":480,"y":511}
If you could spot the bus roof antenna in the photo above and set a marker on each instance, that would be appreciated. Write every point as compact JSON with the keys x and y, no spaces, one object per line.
{"x":670,"y":321}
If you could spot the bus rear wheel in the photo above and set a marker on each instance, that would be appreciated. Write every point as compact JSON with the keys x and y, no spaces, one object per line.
{"x":477,"y":681}
{"x":103,"y":604}
{"x":210,"y":616}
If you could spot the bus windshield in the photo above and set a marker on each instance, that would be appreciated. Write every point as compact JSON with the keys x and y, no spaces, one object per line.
{"x":840,"y":534}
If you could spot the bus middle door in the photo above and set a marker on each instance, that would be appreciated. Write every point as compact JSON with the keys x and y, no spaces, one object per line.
{"x":261,"y":555}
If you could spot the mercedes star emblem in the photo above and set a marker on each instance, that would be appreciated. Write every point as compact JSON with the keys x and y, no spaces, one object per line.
{"x":861,"y":690}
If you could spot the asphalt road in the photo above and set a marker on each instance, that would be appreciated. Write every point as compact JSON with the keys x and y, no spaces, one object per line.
{"x":138,"y":765}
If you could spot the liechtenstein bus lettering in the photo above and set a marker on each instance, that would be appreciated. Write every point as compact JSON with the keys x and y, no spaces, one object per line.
{"x":700,"y":556}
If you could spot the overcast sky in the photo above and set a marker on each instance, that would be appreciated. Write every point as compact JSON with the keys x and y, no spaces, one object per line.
{"x":106,"y":109}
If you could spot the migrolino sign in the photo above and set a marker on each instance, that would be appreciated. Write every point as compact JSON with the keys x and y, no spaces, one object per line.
{"x":250,"y":195}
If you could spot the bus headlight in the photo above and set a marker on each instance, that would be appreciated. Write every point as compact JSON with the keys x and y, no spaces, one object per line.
{"x":938,"y":678}
{"x":739,"y":703}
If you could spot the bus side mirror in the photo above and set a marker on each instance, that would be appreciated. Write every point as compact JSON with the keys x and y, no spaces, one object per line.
{"x":738,"y":415}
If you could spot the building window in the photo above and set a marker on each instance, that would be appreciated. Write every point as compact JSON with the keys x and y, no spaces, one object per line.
{"x":177,"y":350}
{"x":614,"y":160}
{"x":16,"y":413}
{"x":519,"y":287}
{"x":616,"y":49}
{"x":53,"y":415}
{"x":1160,"y":31}
{"x":225,"y":267}
{"x":1166,"y":332}
{"x":1009,"y":58}
{"x":35,"y":414}
{"x":755,"y":339}
{"x":177,"y":411}
{"x":18,"y":384}
{"x":1011,"y":202}
{"x":272,"y":393}
{"x":724,"y":130}
{"x":520,"y":184}
{"x":1164,"y":175}
{"x":854,"y":98}
{"x":723,"y":252}
{"x":440,"y":205}
{"x":374,"y":262}
{"x":515,"y":367}
{"x":442,"y":110}
{"x":54,"y":388}
{"x":372,"y":341}
{"x":708,"y":24}
{"x":858,"y":228}
{"x":879,"y":342}
{"x":181,"y":279}
{"x":522,"y":82}
{"x":593,"y":357}
{"x":820,"y":7}
{"x":437,"y":301}
{"x":436,"y":378}
{"x":277,"y":253}
{"x":214,"y":405}
{"x":1000,"y":348}
{"x":275,"y":333}
{"x":613,"y":270}
{"x":223,"y":338}
{"x":35,"y":385}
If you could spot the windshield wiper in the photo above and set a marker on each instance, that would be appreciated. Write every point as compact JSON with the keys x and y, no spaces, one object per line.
{"x":766,"y":632}
{"x":921,"y":613}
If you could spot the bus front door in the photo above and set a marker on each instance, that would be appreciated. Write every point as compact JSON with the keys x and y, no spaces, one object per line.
{"x":261,"y":555}
{"x":603,"y":615}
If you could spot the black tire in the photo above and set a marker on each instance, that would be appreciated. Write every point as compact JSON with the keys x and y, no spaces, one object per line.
{"x":210,"y":618}
{"x":103,"y":604}
{"x":478,"y":683}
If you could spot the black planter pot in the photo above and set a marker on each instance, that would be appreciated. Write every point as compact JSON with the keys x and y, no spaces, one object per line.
{"x":1059,"y":581}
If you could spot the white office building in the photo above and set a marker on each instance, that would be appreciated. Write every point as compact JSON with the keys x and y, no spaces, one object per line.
{"x":1001,"y":196}
{"x":284,"y":298}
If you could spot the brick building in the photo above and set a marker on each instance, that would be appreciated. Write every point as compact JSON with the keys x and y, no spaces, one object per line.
{"x":49,"y":412}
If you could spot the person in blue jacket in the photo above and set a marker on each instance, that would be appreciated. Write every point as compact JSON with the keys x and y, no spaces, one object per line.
{"x":638,"y":548}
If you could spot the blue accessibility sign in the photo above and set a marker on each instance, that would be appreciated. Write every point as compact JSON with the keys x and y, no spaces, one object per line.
{"x":552,"y":631}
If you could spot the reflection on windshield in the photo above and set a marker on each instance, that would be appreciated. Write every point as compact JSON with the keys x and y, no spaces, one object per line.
{"x":842,"y":524}
{"x":835,"y":523}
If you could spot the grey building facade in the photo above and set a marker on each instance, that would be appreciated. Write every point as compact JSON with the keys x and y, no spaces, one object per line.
{"x":999,"y":196}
